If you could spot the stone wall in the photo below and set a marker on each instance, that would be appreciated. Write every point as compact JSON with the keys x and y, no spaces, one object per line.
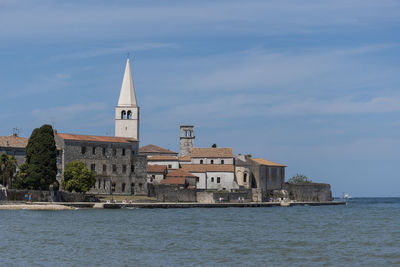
{"x":172,"y":193}
{"x":313,"y":192}
{"x":213,"y":197}
{"x":48,"y":196}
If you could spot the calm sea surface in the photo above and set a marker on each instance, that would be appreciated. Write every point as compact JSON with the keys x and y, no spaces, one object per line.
{"x":366,"y":232}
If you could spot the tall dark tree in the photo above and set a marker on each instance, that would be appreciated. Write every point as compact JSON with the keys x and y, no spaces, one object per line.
{"x":8,"y":169}
{"x":41,"y":159}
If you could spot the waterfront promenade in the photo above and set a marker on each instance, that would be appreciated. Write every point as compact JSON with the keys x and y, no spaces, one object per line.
{"x":152,"y":205}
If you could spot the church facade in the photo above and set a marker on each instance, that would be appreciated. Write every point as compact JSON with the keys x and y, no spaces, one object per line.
{"x":115,"y":159}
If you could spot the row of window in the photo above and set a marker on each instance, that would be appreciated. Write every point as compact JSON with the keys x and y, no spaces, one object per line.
{"x":218,"y":180}
{"x":101,"y":184}
{"x":212,"y":161}
{"x":114,"y":168}
{"x":104,"y":150}
{"x":126,"y":115}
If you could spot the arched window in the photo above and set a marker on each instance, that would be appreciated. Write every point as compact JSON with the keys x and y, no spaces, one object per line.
{"x":245,"y":178}
{"x":222,"y":161}
{"x":129,"y":115}
{"x":201,"y":161}
{"x":212,"y":161}
{"x":123,"y":115}
{"x":212,"y":179}
{"x":190,"y":133}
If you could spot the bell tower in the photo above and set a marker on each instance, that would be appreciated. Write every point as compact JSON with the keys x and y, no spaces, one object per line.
{"x":127,"y":111}
{"x":186,"y":139}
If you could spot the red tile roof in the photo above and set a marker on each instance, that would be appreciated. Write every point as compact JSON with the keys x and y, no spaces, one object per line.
{"x":174,"y":180}
{"x":212,"y":152}
{"x":268,"y":163}
{"x":156,"y":168}
{"x":13,"y":141}
{"x":180,"y":173}
{"x":185,"y":158}
{"x":162,"y":158}
{"x":156,"y":149}
{"x":208,"y":167}
{"x":109,"y":139}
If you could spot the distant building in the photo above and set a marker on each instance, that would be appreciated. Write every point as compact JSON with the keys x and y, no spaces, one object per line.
{"x":172,"y":162}
{"x":268,"y":175}
{"x":14,"y":145}
{"x":182,"y":178}
{"x":116,"y":161}
{"x":156,"y":173}
{"x":186,"y":139}
{"x":153,"y":150}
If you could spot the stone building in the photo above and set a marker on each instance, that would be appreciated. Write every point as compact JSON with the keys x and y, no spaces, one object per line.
{"x":14,"y":145}
{"x":116,"y":161}
{"x":186,"y":139}
{"x":156,"y":173}
{"x":244,"y":175}
{"x":268,"y":175}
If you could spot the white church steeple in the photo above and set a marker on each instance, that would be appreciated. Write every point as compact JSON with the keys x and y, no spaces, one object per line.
{"x":127,"y":111}
{"x":127,"y":96}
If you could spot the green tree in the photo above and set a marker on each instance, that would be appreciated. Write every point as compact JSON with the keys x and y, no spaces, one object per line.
{"x":77,"y":177}
{"x":10,"y":165}
{"x":41,"y":159}
{"x":20,"y":177}
{"x":299,"y":179}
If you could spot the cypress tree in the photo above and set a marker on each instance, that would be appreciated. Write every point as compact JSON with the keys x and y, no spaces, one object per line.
{"x":41,"y":159}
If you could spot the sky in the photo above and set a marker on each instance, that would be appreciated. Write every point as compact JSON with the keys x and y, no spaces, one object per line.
{"x":310,"y":84}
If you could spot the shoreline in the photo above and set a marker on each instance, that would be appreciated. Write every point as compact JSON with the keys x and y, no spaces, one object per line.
{"x":156,"y":205}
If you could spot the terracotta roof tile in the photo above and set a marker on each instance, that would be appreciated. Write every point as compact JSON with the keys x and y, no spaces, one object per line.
{"x":156,"y":149}
{"x":162,"y":158}
{"x":156,"y":168}
{"x":197,"y":152}
{"x":13,"y":141}
{"x":174,"y":180}
{"x":109,"y":139}
{"x":208,"y":167}
{"x":185,"y":158}
{"x":267,"y":162}
{"x":180,"y":173}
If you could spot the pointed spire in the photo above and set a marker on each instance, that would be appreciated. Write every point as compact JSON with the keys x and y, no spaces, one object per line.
{"x":127,"y":96}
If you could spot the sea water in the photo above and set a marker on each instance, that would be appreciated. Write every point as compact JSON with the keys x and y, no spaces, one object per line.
{"x":366,"y":232}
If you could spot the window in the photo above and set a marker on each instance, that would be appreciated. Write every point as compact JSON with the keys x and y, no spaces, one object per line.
{"x":83,"y":150}
{"x":152,"y":178}
{"x":114,"y":168}
{"x":218,"y":180}
{"x":133,"y":152}
{"x":197,"y":179}
{"x":93,"y":150}
{"x":114,"y":151}
{"x":104,"y":151}
{"x":245,"y":178}
{"x":104,"y":168}
{"x":123,"y":115}
{"x":104,"y":184}
{"x":123,"y":187}
{"x":201,"y":161}
{"x":123,"y":152}
{"x":113,"y":187}
{"x":93,"y":167}
{"x":222,"y":161}
{"x":212,"y":161}
{"x":169,"y":166}
{"x":129,"y":115}
{"x":212,"y":179}
{"x":99,"y":183}
{"x":123,"y":168}
{"x":132,"y":168}
{"x":140,"y":186}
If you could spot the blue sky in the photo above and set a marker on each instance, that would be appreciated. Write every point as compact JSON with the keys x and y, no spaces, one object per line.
{"x":312,"y":84}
